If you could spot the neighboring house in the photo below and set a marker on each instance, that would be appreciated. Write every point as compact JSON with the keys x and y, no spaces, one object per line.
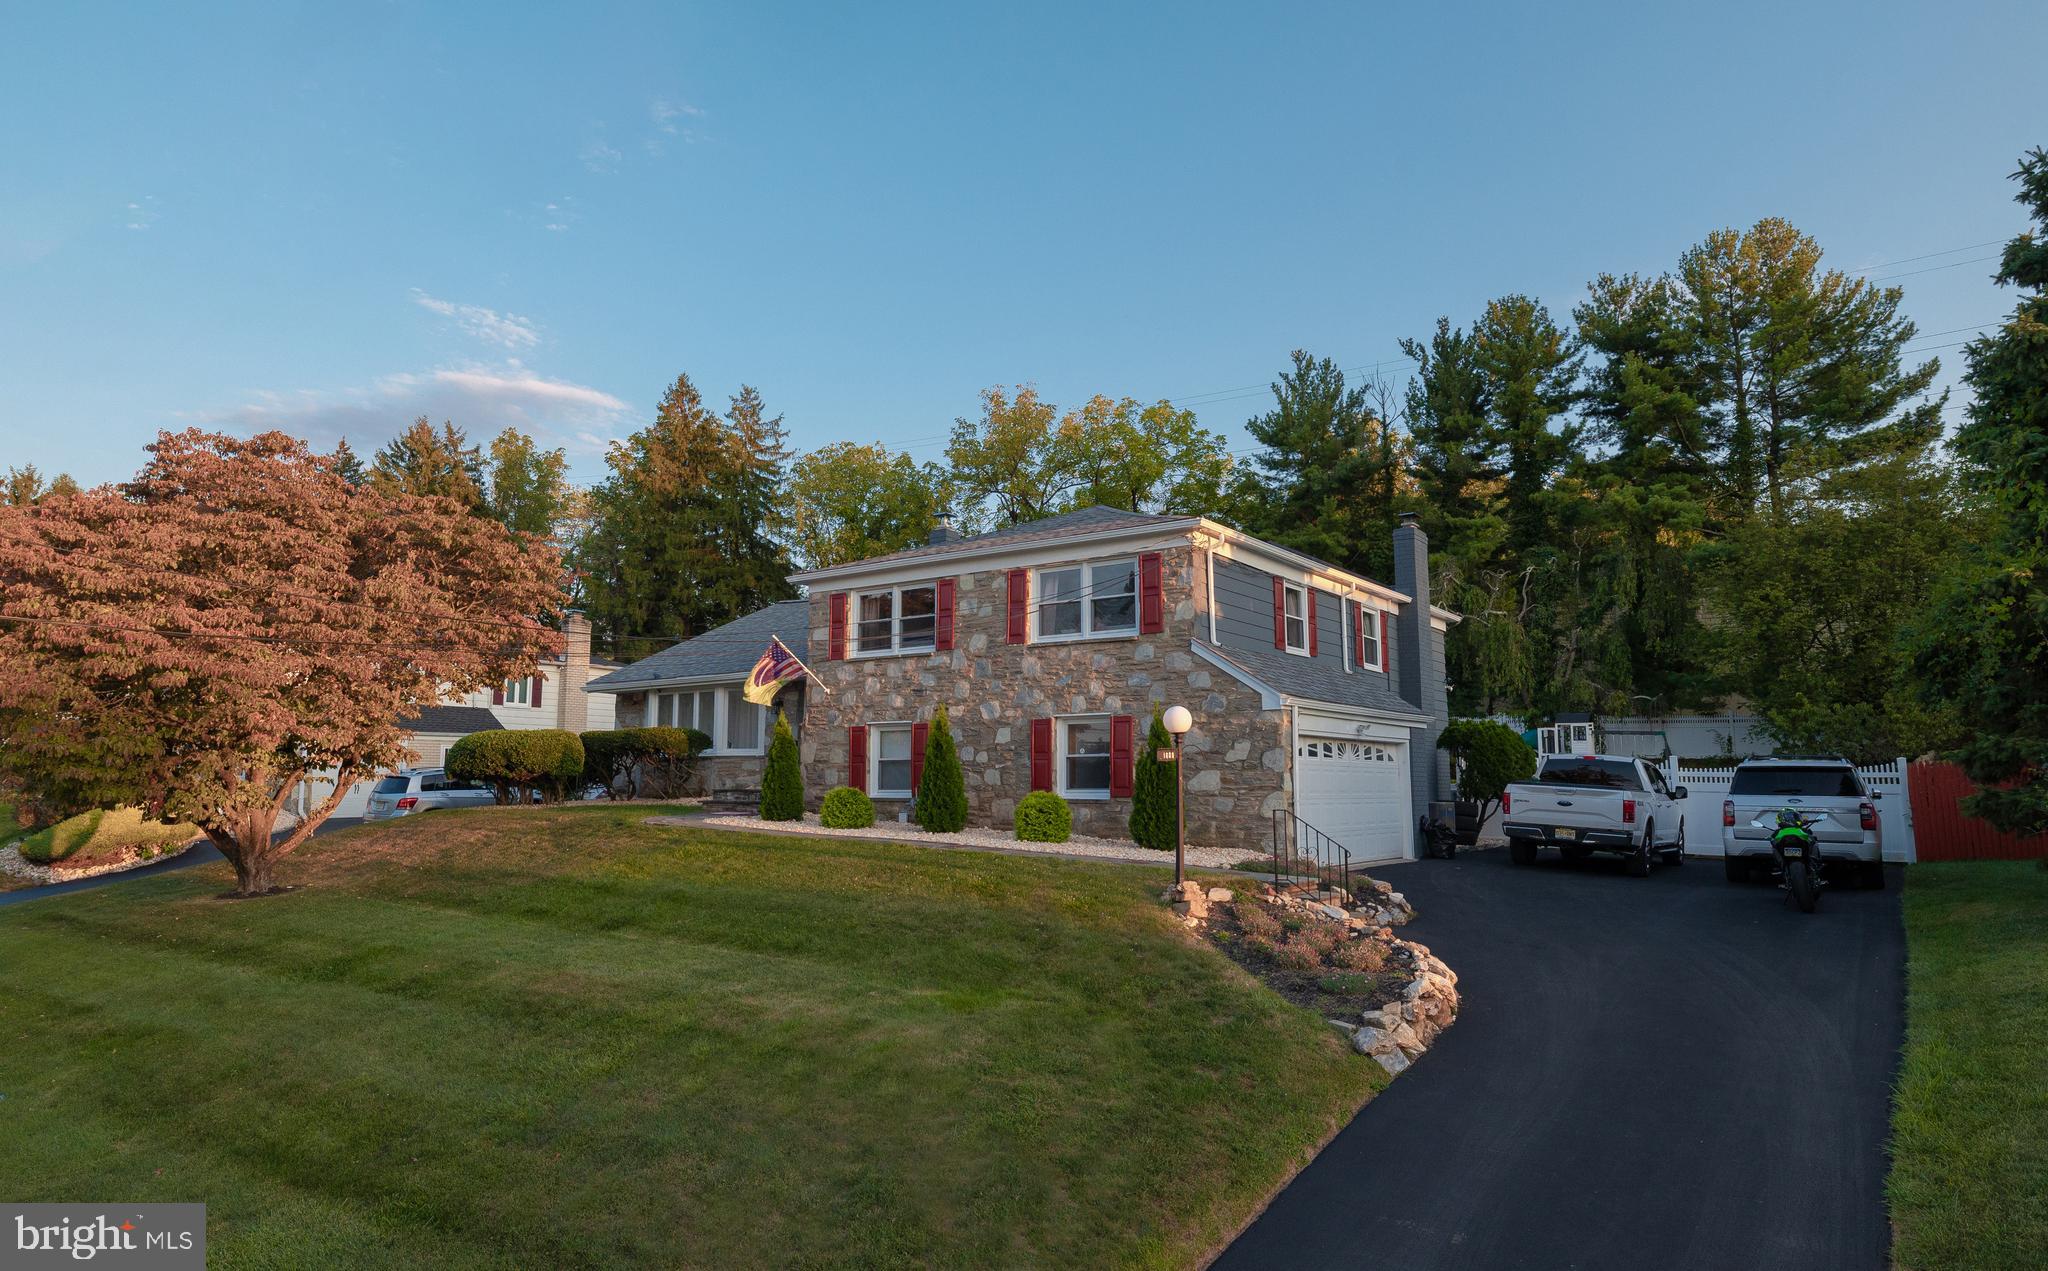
{"x":1315,"y":691}
{"x":696,"y":684}
{"x":556,"y":696}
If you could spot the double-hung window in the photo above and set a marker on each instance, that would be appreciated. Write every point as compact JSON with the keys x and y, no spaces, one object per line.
{"x":1083,"y":744}
{"x":688,"y":709}
{"x":518,"y":692}
{"x":891,"y":745}
{"x":1099,"y":598}
{"x":897,"y":620}
{"x":1368,"y":638}
{"x":1295,"y":617}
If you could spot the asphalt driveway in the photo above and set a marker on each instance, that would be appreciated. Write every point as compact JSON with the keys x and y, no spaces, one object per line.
{"x":1664,"y":1072}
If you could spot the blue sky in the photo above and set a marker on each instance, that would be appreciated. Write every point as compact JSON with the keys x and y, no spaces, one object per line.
{"x":330,"y":218}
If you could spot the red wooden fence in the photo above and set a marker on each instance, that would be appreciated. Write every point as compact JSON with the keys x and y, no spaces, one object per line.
{"x":1942,"y":833}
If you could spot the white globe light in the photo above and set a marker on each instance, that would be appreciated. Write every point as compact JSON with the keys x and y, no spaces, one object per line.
{"x":1178,"y":720}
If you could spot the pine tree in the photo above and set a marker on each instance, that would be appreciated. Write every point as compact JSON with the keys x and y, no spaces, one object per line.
{"x":782,"y":779}
{"x":942,"y":790}
{"x":1155,"y":792}
{"x":683,"y":535}
{"x":347,"y":466}
{"x":1330,"y":468}
{"x":1983,"y":649}
{"x":422,"y":461}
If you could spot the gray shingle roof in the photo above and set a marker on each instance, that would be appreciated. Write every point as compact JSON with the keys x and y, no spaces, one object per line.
{"x":452,"y":719}
{"x":728,"y":650}
{"x":1317,"y":681}
{"x":1080,"y":521}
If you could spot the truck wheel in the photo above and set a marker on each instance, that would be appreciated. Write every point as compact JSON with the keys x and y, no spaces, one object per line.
{"x":1738,"y":868}
{"x":1675,"y":854}
{"x":1522,"y":852}
{"x":1639,"y":863}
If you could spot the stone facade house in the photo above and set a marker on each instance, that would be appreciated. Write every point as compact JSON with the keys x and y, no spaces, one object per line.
{"x":1317,"y":693}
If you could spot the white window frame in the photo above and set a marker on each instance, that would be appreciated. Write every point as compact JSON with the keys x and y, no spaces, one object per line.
{"x":875,"y":731}
{"x":1370,"y":614}
{"x":725,"y":721}
{"x":1085,"y":599}
{"x":1061,"y":723}
{"x":895,"y":594}
{"x":518,"y":692}
{"x":1288,"y":589}
{"x":721,"y":714}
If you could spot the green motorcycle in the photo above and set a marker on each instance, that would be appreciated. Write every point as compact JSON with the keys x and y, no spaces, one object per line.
{"x":1796,"y":854}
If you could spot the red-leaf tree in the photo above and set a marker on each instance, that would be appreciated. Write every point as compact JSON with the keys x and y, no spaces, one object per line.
{"x":200,"y":639}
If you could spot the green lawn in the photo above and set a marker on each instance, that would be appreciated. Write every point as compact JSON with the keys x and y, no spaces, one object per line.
{"x":511,"y":1038}
{"x":1969,"y":1180}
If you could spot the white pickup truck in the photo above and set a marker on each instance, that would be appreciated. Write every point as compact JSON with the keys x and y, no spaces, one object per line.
{"x":1582,"y":804}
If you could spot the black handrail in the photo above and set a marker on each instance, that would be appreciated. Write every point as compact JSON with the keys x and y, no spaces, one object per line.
{"x":1296,"y":841}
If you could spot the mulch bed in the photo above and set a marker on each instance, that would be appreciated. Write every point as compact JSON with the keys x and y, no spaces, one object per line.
{"x":1329,"y":989}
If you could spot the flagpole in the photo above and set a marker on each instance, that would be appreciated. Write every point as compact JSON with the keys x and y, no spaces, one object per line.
{"x":822,"y":686}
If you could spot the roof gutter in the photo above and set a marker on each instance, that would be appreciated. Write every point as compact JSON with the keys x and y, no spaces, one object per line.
{"x":891,"y":564}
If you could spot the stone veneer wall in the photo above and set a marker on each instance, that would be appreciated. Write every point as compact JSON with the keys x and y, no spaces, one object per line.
{"x":1238,"y":756}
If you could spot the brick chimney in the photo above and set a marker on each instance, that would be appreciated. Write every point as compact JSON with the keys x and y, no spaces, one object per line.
{"x":573,"y":672}
{"x":1419,"y":665}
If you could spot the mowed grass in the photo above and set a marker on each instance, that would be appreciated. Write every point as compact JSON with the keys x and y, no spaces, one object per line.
{"x":561,"y":1038}
{"x":1969,"y":1179}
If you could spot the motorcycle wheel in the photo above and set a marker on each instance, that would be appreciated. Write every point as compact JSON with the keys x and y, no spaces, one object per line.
{"x":1800,"y":882}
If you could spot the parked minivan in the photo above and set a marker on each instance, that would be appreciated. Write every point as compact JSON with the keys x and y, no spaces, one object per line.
{"x":412,"y":790}
{"x":1846,"y":836}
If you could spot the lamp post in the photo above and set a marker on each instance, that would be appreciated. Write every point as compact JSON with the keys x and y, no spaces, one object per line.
{"x":1178,"y":721}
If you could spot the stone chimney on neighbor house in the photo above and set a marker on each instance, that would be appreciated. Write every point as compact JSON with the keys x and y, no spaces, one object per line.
{"x":1419,"y":664}
{"x":942,"y":532}
{"x":573,"y":672}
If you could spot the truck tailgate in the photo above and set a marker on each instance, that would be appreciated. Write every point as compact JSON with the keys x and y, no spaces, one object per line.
{"x":1567,"y":807}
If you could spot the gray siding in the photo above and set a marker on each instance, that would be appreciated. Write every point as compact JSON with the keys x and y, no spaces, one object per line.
{"x":1245,"y":617}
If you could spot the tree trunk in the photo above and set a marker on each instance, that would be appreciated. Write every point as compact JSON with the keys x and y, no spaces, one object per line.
{"x":246,"y":839}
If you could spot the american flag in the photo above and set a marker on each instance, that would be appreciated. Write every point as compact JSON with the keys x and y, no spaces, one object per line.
{"x":777,"y":667}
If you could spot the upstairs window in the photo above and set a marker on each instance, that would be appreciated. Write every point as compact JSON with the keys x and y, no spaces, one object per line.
{"x":1368,"y":638}
{"x":519,"y":692}
{"x":1294,"y":600}
{"x":897,"y":620}
{"x":1099,"y":598}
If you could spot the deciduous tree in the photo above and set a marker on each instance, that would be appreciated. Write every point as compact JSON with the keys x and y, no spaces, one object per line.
{"x":239,"y":616}
{"x":528,"y":486}
{"x":849,"y":500}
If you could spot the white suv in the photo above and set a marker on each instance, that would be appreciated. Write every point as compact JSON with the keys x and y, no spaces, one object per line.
{"x":1846,"y":836}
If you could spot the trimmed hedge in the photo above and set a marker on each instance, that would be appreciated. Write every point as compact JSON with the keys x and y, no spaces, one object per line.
{"x":544,"y":759}
{"x":1044,"y":817}
{"x":847,"y":809}
{"x":613,"y":755}
{"x":782,"y":781}
{"x":101,"y":830}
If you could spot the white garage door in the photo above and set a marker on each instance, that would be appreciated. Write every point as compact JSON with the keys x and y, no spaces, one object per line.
{"x":1356,"y":792}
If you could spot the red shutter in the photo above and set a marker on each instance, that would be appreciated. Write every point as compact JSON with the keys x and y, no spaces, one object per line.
{"x":1383,"y":640}
{"x":1120,"y":777}
{"x":1020,"y":606}
{"x":1041,"y":754}
{"x":1279,"y":614}
{"x":919,"y":733}
{"x":945,"y":614}
{"x":857,"y":757}
{"x":1311,"y":622}
{"x":1151,"y":593}
{"x":538,"y":680}
{"x":1358,"y":635}
{"x":837,"y":603}
{"x":498,"y":695}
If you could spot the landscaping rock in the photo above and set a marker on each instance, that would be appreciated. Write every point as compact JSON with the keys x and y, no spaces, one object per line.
{"x":1393,"y":1061}
{"x":1221,"y":895}
{"x":1369,"y":1040}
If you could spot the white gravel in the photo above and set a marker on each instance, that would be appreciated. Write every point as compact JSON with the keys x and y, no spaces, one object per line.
{"x":897,"y":832}
{"x":13,"y":862}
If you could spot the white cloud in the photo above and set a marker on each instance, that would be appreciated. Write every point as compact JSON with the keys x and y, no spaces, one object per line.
{"x":600,"y":158}
{"x":506,"y":329}
{"x":666,"y":111}
{"x":143,"y":212}
{"x":480,"y":399}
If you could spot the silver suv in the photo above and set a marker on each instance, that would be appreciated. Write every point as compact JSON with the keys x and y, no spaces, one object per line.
{"x":1846,"y":835}
{"x":412,"y":790}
